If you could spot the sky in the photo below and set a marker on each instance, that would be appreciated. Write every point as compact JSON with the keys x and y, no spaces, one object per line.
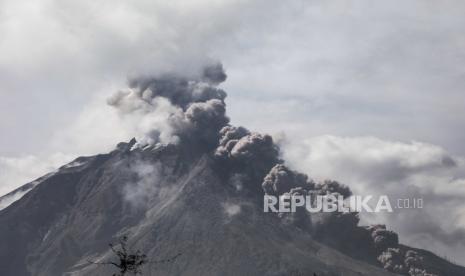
{"x":369,"y":93}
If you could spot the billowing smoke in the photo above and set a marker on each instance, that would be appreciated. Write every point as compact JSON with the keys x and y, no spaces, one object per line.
{"x":205,"y":120}
{"x":152,"y":120}
{"x":392,"y":260}
{"x":329,"y":227}
{"x":394,"y":257}
{"x":404,"y":262}
{"x":331,"y":187}
{"x":170,"y":108}
{"x":239,"y":146}
{"x":281,"y":179}
{"x":214,"y":74}
{"x":383,"y":238}
{"x":229,"y":136}
{"x":182,"y":91}
{"x":300,"y":218}
{"x":253,"y":147}
{"x":249,"y":154}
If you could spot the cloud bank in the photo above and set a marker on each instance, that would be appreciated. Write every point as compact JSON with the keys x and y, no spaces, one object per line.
{"x":370,"y":165}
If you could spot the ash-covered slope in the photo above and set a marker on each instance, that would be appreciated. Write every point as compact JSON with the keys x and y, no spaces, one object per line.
{"x":192,"y":185}
{"x":190,"y":208}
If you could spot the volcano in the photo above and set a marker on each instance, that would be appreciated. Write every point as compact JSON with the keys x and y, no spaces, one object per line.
{"x":191,"y":187}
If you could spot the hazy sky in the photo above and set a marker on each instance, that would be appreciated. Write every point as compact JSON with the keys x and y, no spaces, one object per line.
{"x":367,"y":92}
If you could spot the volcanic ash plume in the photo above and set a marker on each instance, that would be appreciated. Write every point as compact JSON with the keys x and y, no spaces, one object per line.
{"x":169,"y":108}
{"x":280,"y":180}
{"x":182,"y":91}
{"x":190,"y":111}
{"x":246,"y":151}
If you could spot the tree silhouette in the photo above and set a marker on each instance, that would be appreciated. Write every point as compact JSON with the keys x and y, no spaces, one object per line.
{"x":130,"y":262}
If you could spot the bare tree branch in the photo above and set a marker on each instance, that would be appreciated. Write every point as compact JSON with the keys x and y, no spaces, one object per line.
{"x":130,"y":262}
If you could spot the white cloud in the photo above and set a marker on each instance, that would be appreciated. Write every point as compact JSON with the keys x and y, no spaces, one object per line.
{"x":16,"y":171}
{"x":372,"y":166}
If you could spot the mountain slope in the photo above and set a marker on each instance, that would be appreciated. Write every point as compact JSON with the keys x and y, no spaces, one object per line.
{"x":70,"y":217}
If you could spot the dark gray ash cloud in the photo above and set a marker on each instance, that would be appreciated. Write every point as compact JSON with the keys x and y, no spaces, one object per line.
{"x":281,"y":180}
{"x":181,"y":90}
{"x":195,"y":111}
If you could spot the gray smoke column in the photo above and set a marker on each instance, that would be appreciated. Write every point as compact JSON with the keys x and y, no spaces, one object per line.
{"x":170,"y":108}
{"x":181,"y":90}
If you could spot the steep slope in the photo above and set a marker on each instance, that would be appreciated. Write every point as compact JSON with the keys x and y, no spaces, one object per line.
{"x":69,"y":218}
